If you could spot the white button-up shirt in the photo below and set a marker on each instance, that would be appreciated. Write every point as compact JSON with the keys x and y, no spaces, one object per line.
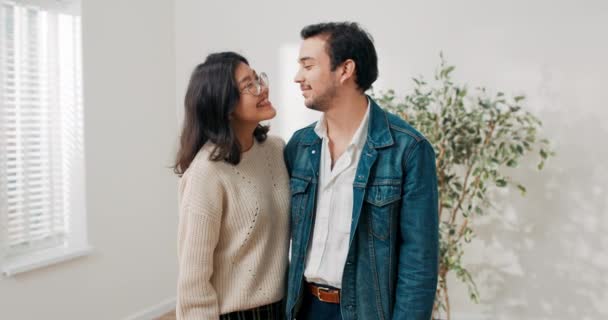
{"x":330,"y":241}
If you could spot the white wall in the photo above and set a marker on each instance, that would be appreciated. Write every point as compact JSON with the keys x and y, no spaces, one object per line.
{"x":544,"y":256}
{"x":130,"y":128}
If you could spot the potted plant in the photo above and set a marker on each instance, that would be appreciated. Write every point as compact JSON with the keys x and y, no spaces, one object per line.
{"x":476,"y":136}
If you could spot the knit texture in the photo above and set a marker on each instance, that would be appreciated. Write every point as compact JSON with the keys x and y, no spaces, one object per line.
{"x":233,"y":233}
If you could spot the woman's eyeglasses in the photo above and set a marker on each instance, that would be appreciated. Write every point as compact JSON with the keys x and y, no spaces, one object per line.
{"x":256,"y":86}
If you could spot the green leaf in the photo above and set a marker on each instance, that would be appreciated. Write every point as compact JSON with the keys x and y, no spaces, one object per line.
{"x":474,"y":297}
{"x":458,"y":186}
{"x":501,"y":182}
{"x":541,"y":165}
{"x":446,"y":71}
{"x":512,"y":163}
{"x":462,"y":92}
{"x":522,"y":189}
{"x":468,"y":235}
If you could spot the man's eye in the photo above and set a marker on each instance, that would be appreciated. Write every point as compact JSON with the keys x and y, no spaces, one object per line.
{"x":307,"y":67}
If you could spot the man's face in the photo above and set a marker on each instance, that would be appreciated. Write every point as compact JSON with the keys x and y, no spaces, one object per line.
{"x":318,"y":83}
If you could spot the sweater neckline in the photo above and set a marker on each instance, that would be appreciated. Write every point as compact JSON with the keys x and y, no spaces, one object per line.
{"x":248,"y":153}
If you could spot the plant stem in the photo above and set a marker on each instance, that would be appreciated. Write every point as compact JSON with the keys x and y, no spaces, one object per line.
{"x":441,"y":175}
{"x":462,"y":195}
{"x":447,"y":299}
{"x":466,"y":220}
{"x":462,"y":228}
{"x":475,"y":184}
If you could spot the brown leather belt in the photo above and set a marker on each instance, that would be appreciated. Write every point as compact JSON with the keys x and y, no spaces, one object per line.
{"x":324,"y":294}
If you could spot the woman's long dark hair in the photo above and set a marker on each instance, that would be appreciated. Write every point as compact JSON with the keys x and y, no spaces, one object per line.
{"x":211,"y":97}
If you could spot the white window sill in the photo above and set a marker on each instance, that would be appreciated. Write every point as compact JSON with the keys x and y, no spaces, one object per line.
{"x":42,"y":259}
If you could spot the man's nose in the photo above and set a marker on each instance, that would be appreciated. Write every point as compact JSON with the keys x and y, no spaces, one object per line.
{"x":298,"y":77}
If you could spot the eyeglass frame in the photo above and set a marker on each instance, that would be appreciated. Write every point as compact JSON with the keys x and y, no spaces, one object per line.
{"x":261,"y":81}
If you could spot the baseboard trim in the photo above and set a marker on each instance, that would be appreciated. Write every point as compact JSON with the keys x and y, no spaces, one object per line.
{"x":155,"y":311}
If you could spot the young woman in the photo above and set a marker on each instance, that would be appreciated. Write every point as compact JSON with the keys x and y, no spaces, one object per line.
{"x":233,"y":236}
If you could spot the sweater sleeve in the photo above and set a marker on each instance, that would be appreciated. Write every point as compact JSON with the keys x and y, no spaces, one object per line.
{"x":201,"y":197}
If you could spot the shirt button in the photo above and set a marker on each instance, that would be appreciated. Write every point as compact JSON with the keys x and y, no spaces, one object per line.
{"x":314,"y":151}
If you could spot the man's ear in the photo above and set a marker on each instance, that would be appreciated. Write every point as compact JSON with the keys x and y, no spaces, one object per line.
{"x":348,"y":69}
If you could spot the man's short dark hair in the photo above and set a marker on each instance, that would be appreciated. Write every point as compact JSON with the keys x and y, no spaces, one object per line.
{"x":347,"y":40}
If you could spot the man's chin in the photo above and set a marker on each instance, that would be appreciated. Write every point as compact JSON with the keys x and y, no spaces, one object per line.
{"x":309,"y":104}
{"x":312,"y":105}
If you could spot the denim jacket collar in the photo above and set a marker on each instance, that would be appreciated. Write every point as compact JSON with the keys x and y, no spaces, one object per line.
{"x":378,"y":131}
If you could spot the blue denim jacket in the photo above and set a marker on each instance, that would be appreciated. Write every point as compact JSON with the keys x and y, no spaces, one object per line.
{"x":392,"y":263}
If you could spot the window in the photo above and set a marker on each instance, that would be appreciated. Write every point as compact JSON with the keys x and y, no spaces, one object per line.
{"x":42,"y":211}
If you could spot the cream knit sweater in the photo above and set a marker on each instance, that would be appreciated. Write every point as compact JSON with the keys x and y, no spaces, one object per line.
{"x":233,"y":236}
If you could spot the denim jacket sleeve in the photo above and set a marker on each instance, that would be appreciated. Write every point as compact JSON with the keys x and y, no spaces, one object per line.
{"x":288,"y":153}
{"x":419,"y":228}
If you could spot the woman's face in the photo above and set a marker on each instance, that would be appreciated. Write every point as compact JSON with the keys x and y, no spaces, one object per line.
{"x":251,"y":109}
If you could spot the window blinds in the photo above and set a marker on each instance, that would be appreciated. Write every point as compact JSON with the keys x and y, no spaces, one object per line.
{"x":40,"y":126}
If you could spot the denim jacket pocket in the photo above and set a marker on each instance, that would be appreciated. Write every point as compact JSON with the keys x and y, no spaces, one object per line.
{"x":381,"y":199}
{"x":298,"y":189}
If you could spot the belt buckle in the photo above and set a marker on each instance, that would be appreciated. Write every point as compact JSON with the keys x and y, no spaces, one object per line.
{"x":319,"y":290}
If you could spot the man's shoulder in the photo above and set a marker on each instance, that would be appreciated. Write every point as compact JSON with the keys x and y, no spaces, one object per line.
{"x":401,"y":129}
{"x":301,"y":134}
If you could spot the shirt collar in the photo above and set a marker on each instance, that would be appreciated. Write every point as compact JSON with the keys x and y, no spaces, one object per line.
{"x":358,"y":138}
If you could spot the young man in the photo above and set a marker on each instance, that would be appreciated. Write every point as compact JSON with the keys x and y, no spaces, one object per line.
{"x":363,"y":192}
